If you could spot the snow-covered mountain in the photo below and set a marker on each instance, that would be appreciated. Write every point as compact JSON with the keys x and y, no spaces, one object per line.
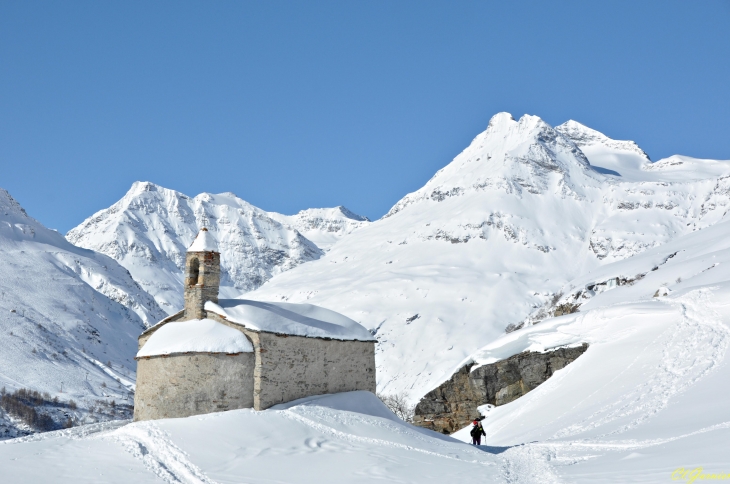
{"x":323,"y":226}
{"x":495,"y":235}
{"x":149,"y":230}
{"x":65,"y":313}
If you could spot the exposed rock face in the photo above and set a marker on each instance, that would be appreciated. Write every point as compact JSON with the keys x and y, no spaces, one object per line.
{"x":454,"y":403}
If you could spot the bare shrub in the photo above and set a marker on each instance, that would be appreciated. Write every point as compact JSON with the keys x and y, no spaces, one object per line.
{"x":398,"y":404}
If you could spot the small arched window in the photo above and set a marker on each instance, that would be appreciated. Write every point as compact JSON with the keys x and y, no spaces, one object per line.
{"x":194,"y":272}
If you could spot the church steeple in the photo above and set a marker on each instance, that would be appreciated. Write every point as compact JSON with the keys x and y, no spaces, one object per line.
{"x":202,"y":274}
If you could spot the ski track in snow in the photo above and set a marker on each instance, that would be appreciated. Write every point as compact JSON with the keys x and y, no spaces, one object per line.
{"x":691,"y":349}
{"x":297,"y":416}
{"x":148,"y":443}
{"x":683,"y":364}
{"x":630,"y":444}
{"x":534,"y":462}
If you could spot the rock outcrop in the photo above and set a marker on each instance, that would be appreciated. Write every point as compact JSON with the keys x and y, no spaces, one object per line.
{"x":454,"y":403}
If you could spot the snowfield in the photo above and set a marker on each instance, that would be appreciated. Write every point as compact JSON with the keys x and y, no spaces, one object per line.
{"x":636,"y":407}
{"x":349,"y":437}
{"x":650,"y":394}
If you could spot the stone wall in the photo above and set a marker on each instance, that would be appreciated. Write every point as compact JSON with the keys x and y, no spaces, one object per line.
{"x":202,"y":280}
{"x":454,"y":403}
{"x":292,"y":367}
{"x":281,"y":369}
{"x":192,"y":384}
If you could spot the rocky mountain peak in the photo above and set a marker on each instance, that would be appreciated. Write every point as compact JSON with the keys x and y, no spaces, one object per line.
{"x":510,"y":155}
{"x":9,"y":207}
{"x":583,"y":136}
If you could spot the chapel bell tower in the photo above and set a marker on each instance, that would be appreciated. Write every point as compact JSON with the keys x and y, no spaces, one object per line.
{"x":202,"y":274}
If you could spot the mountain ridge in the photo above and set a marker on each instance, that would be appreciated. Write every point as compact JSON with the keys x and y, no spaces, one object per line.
{"x":149,"y":229}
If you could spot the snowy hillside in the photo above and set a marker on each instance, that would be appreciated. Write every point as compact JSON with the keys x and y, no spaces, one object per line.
{"x":494,"y":235}
{"x":574,"y":428}
{"x":648,"y":397}
{"x":149,"y":230}
{"x":65,"y":312}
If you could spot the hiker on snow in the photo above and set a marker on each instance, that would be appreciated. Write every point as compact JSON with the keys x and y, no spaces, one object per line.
{"x":476,"y":433}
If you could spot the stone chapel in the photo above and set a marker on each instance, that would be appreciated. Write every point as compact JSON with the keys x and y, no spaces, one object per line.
{"x":225,"y":354}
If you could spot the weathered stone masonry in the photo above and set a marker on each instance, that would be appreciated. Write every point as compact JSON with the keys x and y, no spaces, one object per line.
{"x":290,"y":367}
{"x":281,"y":369}
{"x":182,"y":385}
{"x":202,"y":280}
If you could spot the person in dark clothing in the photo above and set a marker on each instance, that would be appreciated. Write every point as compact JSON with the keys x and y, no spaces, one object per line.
{"x":476,"y":433}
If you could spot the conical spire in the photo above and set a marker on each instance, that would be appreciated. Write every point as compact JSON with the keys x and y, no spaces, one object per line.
{"x":204,"y":242}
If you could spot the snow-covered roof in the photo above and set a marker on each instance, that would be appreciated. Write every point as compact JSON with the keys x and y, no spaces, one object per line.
{"x":204,"y":242}
{"x":292,"y":319}
{"x":195,"y":336}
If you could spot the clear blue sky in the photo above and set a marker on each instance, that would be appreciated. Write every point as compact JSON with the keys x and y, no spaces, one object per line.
{"x":297,"y":104}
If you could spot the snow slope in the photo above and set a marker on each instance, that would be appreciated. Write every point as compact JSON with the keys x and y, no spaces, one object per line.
{"x":645,"y":400}
{"x":496,"y":234}
{"x":344,"y":438}
{"x":149,"y":230}
{"x":650,"y":394}
{"x":64,"y":313}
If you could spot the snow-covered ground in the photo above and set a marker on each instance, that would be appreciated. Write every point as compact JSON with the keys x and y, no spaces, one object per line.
{"x":344,"y":438}
{"x":635,"y":408}
{"x":150,"y":229}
